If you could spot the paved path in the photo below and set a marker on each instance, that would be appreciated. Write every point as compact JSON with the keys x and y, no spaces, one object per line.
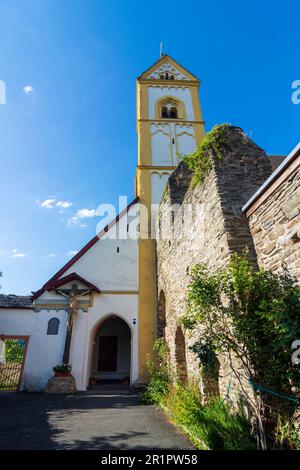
{"x":96,"y":420}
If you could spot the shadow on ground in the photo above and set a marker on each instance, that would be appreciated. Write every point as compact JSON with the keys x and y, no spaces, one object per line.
{"x":84,"y":421}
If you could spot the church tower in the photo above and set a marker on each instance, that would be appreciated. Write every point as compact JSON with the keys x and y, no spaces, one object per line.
{"x":169,"y":125}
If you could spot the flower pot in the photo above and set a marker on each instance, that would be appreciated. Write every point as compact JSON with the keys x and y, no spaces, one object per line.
{"x":93,"y":382}
{"x":67,"y":373}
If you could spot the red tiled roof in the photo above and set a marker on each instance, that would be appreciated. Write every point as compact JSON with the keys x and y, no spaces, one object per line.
{"x":71,"y":277}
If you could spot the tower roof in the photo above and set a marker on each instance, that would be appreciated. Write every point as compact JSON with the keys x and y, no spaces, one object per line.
{"x":166,"y":61}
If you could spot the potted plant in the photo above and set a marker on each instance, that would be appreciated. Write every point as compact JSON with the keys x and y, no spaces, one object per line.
{"x":62,"y":370}
{"x":125,"y":380}
{"x":93,"y":381}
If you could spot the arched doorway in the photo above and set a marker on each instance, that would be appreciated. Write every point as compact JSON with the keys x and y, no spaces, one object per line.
{"x":180,"y":358}
{"x":161,"y":315}
{"x":111,"y":359}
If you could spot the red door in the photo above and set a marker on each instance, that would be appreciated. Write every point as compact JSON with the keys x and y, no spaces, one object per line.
{"x":108,"y":353}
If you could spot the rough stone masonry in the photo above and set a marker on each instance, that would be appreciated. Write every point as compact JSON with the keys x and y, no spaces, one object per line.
{"x":210,"y":238}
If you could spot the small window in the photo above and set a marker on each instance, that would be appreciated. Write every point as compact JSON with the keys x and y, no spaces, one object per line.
{"x":164,"y":112}
{"x":162,"y":77}
{"x":53,"y":326}
{"x":173,"y":113}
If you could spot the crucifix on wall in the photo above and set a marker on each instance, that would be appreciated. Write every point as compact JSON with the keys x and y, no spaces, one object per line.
{"x":72,"y":295}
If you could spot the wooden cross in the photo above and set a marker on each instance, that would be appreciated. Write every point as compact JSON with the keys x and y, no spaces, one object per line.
{"x":72,"y":294}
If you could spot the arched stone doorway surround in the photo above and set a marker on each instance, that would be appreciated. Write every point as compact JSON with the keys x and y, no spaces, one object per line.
{"x":123,"y":345}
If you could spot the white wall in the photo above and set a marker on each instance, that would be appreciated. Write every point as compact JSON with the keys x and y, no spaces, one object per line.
{"x":157,"y":92}
{"x":105,"y":267}
{"x":185,"y":140}
{"x":108,"y":270}
{"x":44,"y":351}
{"x":160,"y":145}
{"x":158,"y":184}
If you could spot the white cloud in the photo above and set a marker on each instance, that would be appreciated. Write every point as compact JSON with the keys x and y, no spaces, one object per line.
{"x":81,"y":214}
{"x":15,"y":253}
{"x":28,"y":89}
{"x":85,"y":213}
{"x":63,"y":204}
{"x":72,"y":253}
{"x":48,"y":203}
{"x":51,"y":255}
{"x":52,"y":202}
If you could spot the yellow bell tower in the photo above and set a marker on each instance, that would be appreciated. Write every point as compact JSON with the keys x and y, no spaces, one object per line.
{"x":169,"y":125}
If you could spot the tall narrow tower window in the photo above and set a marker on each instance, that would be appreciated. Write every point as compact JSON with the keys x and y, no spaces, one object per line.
{"x":173,"y":113}
{"x":169,"y":109}
{"x":164,"y":112}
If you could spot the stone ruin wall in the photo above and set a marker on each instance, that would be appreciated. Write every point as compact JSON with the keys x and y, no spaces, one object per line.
{"x":209,"y":239}
{"x":275,"y":224}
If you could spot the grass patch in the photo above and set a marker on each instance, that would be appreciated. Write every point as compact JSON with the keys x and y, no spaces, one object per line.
{"x":213,"y":426}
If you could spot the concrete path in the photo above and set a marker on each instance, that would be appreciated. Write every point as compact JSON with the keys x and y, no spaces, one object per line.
{"x":94,"y":420}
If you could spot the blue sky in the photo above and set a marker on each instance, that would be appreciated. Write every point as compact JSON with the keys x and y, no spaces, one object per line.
{"x":68,"y":130}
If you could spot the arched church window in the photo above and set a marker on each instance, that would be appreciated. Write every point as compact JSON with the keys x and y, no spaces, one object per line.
{"x":169,"y":111}
{"x":173,"y":113}
{"x":53,"y":326}
{"x":164,"y":112}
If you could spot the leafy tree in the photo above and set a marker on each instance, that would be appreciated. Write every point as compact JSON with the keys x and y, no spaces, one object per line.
{"x":253,"y":315}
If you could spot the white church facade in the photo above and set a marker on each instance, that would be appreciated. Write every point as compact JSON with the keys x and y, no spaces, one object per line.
{"x":98,"y":312}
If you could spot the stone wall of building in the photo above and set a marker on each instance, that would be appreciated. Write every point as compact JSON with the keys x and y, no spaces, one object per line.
{"x":274,"y":219}
{"x":216,"y":228}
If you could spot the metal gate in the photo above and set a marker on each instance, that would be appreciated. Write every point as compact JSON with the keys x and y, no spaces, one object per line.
{"x":12,"y":360}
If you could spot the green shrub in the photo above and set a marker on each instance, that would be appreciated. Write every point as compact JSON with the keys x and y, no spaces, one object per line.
{"x":159,"y":376}
{"x":287,"y":436}
{"x":14,"y":350}
{"x":213,"y":426}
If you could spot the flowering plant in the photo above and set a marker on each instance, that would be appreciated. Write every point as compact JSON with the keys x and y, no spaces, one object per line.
{"x":62,"y":368}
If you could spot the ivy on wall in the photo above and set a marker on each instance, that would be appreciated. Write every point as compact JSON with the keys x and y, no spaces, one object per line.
{"x":200,"y":162}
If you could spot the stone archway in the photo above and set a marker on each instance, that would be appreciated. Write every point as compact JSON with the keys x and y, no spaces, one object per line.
{"x":161,"y":315}
{"x":180,"y":355}
{"x":111,"y":357}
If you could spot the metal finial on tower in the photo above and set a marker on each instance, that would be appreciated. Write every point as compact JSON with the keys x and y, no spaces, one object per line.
{"x":161,"y":49}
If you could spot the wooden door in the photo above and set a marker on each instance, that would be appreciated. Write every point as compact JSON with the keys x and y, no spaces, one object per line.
{"x":108,"y":353}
